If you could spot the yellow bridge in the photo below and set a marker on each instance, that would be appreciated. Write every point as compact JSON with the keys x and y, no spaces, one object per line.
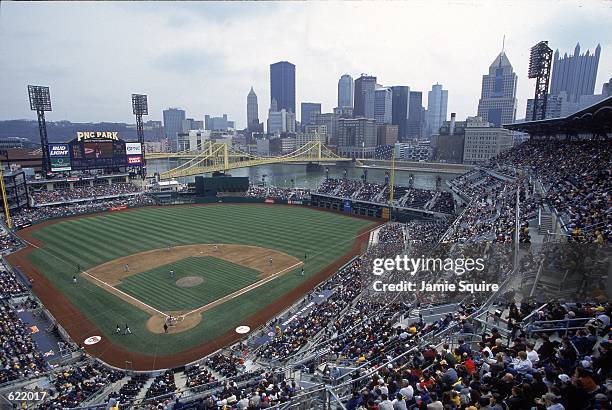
{"x":217,"y":156}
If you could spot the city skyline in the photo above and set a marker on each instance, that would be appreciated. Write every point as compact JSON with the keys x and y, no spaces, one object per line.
{"x":173,"y":71}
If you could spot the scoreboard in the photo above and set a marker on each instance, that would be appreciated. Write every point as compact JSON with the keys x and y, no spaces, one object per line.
{"x":95,"y":150}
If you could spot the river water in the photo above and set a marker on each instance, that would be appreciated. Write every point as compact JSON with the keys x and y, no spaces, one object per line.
{"x":287,"y":175}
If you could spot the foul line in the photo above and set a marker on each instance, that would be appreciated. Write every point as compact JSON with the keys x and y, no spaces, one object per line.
{"x":114,"y":289}
{"x":213,"y":303}
{"x":261,"y":282}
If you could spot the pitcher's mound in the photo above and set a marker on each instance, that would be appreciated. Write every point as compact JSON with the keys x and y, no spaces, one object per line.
{"x":155,"y":324}
{"x":189,"y":281}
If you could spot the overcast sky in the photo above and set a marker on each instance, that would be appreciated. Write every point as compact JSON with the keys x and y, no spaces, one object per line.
{"x":204,"y":57}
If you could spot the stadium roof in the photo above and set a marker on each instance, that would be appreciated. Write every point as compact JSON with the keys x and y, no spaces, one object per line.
{"x":595,"y":119}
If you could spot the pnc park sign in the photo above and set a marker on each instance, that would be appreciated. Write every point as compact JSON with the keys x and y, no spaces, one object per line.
{"x":102,"y":135}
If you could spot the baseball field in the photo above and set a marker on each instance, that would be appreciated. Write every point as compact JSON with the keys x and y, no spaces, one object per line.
{"x":201,"y":270}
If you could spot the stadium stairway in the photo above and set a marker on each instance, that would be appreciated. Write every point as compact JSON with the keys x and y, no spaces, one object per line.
{"x":102,"y":395}
{"x":432,"y":201}
{"x":180,"y":381}
{"x":546,"y":221}
{"x":430,"y":314}
{"x":141,"y":394}
{"x":379,"y":196}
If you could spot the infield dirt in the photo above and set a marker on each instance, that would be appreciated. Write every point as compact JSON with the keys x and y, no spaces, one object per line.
{"x":80,"y":327}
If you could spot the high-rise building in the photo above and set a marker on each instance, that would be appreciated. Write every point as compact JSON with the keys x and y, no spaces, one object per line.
{"x":281,"y":121}
{"x":400,"y":105}
{"x":282,"y":85}
{"x":190,"y":124}
{"x":252,"y":110}
{"x":365,"y":87}
{"x":448,"y":146}
{"x":307,"y":109}
{"x":383,"y":105}
{"x":437,"y":101}
{"x":416,"y":118}
{"x":386,"y":134}
{"x":575,"y":74}
{"x":497,"y":103}
{"x":173,"y":122}
{"x":484,"y":141}
{"x":217,"y":123}
{"x":346,"y":91}
{"x":357,"y":137}
{"x":343,"y":112}
{"x":330,"y":121}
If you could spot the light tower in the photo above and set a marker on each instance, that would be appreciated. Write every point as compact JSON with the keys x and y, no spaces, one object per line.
{"x":140,"y":108}
{"x":539,"y":68}
{"x":40,"y":101}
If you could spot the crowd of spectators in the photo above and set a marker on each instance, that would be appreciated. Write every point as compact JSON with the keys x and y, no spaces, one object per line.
{"x":291,"y":194}
{"x":28,"y":216}
{"x":427,"y":231}
{"x":576,"y":177}
{"x":444,"y":203}
{"x":163,"y":384}
{"x":492,"y":213}
{"x":19,"y":356}
{"x":130,"y":390}
{"x":83,"y":193}
{"x":551,"y":371}
{"x":264,"y":390}
{"x":225,"y":365}
{"x":8,"y":242}
{"x":380,"y":193}
{"x":76,"y":384}
{"x":297,"y":333}
{"x":10,"y":286}
{"x":198,"y":376}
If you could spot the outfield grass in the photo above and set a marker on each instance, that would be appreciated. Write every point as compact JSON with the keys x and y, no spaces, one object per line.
{"x":156,"y":288}
{"x":94,"y":240}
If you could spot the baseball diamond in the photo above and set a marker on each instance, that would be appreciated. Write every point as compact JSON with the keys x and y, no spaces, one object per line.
{"x":249,"y":258}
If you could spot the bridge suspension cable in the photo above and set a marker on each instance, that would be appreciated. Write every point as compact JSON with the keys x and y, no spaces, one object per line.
{"x":216,"y":156}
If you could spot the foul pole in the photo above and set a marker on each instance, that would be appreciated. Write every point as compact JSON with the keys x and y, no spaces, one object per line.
{"x":391,"y":187}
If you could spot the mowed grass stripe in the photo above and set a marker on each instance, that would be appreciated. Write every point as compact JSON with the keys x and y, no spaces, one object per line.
{"x":98,"y":239}
{"x":156,"y":288}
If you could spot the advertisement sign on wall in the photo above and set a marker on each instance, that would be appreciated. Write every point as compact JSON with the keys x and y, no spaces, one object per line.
{"x":134,"y":160}
{"x":59,"y":157}
{"x":58,"y":150}
{"x":133,"y":148}
{"x":59,"y":164}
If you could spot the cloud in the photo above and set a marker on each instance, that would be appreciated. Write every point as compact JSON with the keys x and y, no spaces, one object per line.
{"x":205,"y":56}
{"x":185,"y":62}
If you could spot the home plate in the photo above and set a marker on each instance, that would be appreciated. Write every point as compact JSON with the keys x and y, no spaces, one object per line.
{"x":243,"y":329}
{"x":92,"y":340}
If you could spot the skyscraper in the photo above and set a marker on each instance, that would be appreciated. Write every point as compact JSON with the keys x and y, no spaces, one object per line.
{"x":365,"y":87}
{"x":437,"y":101}
{"x":345,"y":91}
{"x":173,"y":122}
{"x":399,"y":116}
{"x":414,"y":129}
{"x":282,"y":85}
{"x":575,"y":74}
{"x":383,"y":103}
{"x":497,"y":103}
{"x":252,"y":110}
{"x":307,"y":109}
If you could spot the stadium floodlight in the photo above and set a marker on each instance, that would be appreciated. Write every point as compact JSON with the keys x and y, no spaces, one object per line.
{"x":540,"y":62}
{"x":139,"y":104}
{"x":40,"y":98}
{"x":40,"y":101}
{"x":140,"y":107}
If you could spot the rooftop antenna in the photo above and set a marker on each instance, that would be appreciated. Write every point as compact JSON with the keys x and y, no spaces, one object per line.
{"x":503,"y":43}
